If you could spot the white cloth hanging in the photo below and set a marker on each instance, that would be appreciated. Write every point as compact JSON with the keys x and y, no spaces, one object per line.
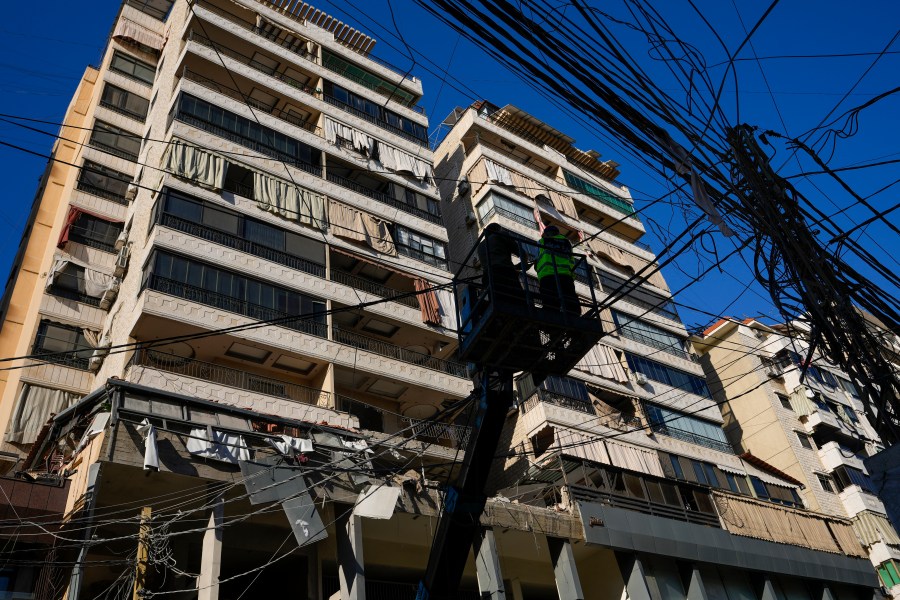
{"x":217,"y":445}
{"x":151,"y":452}
{"x":447,"y":307}
{"x":197,"y":165}
{"x":289,"y":201}
{"x":286,"y":444}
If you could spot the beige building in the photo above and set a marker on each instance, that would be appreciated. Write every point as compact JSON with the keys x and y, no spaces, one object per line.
{"x":240,"y":348}
{"x":816,"y":431}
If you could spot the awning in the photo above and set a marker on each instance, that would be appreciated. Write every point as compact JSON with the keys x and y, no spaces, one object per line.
{"x":872,"y":527}
{"x":126,"y":29}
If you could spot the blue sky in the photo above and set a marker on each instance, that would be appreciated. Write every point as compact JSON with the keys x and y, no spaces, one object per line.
{"x":45,"y":53}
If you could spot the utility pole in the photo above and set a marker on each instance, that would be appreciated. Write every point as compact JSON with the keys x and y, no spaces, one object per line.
{"x":143,"y":555}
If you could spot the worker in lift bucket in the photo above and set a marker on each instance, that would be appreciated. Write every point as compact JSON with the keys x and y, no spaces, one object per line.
{"x":555,"y":266}
{"x":495,"y":254}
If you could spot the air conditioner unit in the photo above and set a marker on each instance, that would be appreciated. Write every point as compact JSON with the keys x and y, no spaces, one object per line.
{"x":121,"y":240}
{"x":774,"y":370}
{"x":109,"y":295}
{"x":640,"y":378}
{"x":463,"y":187}
{"x":131,"y":191}
{"x":122,"y":261}
{"x":470,"y":218}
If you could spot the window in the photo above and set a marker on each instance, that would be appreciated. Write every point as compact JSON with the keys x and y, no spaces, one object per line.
{"x":687,"y":427}
{"x":667,"y":375}
{"x":888,"y":573}
{"x":420,"y":202}
{"x":651,"y":335}
{"x":785,"y":401}
{"x":102,"y":181}
{"x":421,"y":247}
{"x":63,"y":344}
{"x":363,"y":77}
{"x":825,"y":483}
{"x":495,"y":203}
{"x":804,"y":440}
{"x":250,"y":133}
{"x":635,"y":294}
{"x":759,"y":488}
{"x":95,"y":232}
{"x":187,"y":278}
{"x":69,"y":283}
{"x":845,"y":476}
{"x":676,"y":466}
{"x":132,"y":67}
{"x":373,"y":111}
{"x":568,"y":387}
{"x":123,"y":101}
{"x":598,"y":193}
{"x":115,"y":140}
{"x":737,"y":484}
{"x":849,"y":387}
{"x":851,"y":414}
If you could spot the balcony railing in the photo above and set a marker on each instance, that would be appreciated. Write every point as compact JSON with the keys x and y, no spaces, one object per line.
{"x":381,"y":87}
{"x":235,"y":378}
{"x":356,"y":340}
{"x":101,"y":192}
{"x":70,"y":294}
{"x":374,"y":288}
{"x":258,"y":66}
{"x":495,"y":210}
{"x":371,"y":418}
{"x":79,"y":236}
{"x":248,"y":143}
{"x":249,"y":26}
{"x":374,"y":120}
{"x":457,"y":436}
{"x":691,"y":437}
{"x":648,"y":507}
{"x":243,"y":99}
{"x":542,"y":395}
{"x":654,"y":343}
{"x":125,"y":113}
{"x":382,"y":197}
{"x":113,"y":150}
{"x":239,"y":243}
{"x":235,"y":305}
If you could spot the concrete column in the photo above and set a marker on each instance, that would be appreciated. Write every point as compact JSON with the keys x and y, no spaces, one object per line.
{"x":211,"y":557}
{"x":313,"y":591}
{"x":696,"y":590}
{"x":633,"y":576}
{"x":487,"y":566}
{"x":568,"y":585}
{"x":351,"y":564}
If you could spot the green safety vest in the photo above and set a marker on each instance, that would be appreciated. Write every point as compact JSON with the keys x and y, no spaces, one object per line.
{"x":554,"y":257}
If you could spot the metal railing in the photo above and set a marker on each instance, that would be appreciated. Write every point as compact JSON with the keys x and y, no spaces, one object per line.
{"x":648,"y":507}
{"x":250,"y":26}
{"x":78,"y":235}
{"x":243,"y":99}
{"x":356,"y":340}
{"x":127,"y":113}
{"x":93,"y":190}
{"x":542,"y":395}
{"x":455,"y":435}
{"x":70,"y":294}
{"x":227,"y":376}
{"x":374,"y":120}
{"x":382,"y":197}
{"x":235,"y":305}
{"x":248,"y":143}
{"x":374,"y":288}
{"x":113,"y":150}
{"x":691,"y":437}
{"x":246,"y":60}
{"x":495,"y":210}
{"x":378,"y":89}
{"x":239,"y":243}
{"x":654,"y":343}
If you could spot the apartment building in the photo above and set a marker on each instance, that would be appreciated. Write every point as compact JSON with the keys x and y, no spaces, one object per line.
{"x":816,"y":430}
{"x":242,"y":378}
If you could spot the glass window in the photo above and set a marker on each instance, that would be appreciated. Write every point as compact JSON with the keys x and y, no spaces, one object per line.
{"x":184,"y":208}
{"x":667,"y":375}
{"x":759,"y":487}
{"x":825,"y":482}
{"x":804,"y":440}
{"x":63,"y":344}
{"x":676,"y":466}
{"x":220,"y":219}
{"x":849,"y":387}
{"x":567,"y":386}
{"x":264,"y":234}
{"x":732,"y":483}
{"x":134,"y":68}
{"x":598,"y":193}
{"x":635,"y":294}
{"x":98,"y":179}
{"x":95,"y":232}
{"x":506,"y":207}
{"x":116,"y":140}
{"x":851,"y":414}
{"x":684,"y":426}
{"x":651,"y":335}
{"x":421,"y":247}
{"x":785,"y":401}
{"x":124,"y":101}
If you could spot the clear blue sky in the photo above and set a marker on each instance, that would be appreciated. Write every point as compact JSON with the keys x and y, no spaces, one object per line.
{"x":47,"y":47}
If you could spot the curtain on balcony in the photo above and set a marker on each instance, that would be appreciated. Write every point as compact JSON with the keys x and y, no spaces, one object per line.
{"x":399,"y":161}
{"x":217,"y":445}
{"x":497,"y":173}
{"x":95,"y":283}
{"x":577,"y":444}
{"x":627,"y":261}
{"x":602,"y":362}
{"x":133,"y":32}
{"x":448,"y":309}
{"x":634,"y":458}
{"x":358,"y":226}
{"x":431,"y":311}
{"x":34,"y":406}
{"x":289,"y":201}
{"x":872,"y":527}
{"x":800,"y":403}
{"x":196,"y":165}
{"x":359,"y":141}
{"x":846,"y":539}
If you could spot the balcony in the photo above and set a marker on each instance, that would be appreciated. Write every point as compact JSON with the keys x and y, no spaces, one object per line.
{"x":362,"y":342}
{"x":832,"y":456}
{"x":383,"y":197}
{"x":542,"y":395}
{"x":372,"y":418}
{"x":654,"y":343}
{"x":241,"y":244}
{"x":376,"y":289}
{"x":691,"y":437}
{"x":244,"y":99}
{"x":101,"y":192}
{"x":227,"y":303}
{"x":338,"y":65}
{"x":374,"y":120}
{"x":855,"y":500}
{"x":247,"y":142}
{"x":649,"y":507}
